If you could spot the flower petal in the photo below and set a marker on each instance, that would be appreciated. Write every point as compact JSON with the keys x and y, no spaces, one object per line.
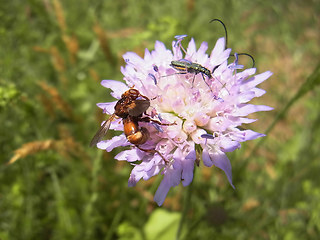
{"x":251,"y":135}
{"x":187,"y":170}
{"x":228,"y":145}
{"x":206,"y":158}
{"x":116,"y":141}
{"x":218,"y":48}
{"x":162,"y":191}
{"x":247,"y":109}
{"x":107,"y":107}
{"x":221,"y":161}
{"x":132,"y":58}
{"x":191,"y":47}
{"x":131,"y":155}
{"x":117,"y":87}
{"x":171,"y":178}
{"x":254,"y":81}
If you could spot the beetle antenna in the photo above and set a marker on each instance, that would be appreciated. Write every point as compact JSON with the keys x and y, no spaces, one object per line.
{"x":226,"y":34}
{"x":224,"y":27}
{"x":250,"y":56}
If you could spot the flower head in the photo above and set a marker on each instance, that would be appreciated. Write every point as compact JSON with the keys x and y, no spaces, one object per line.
{"x":204,"y":96}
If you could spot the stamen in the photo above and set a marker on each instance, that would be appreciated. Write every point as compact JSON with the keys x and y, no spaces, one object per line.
{"x":157,"y":126}
{"x":207,"y":136}
{"x":153,"y":78}
{"x":178,"y":42}
{"x":155,"y":68}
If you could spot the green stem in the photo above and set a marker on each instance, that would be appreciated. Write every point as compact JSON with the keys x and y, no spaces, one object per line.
{"x":94,"y":196}
{"x":186,"y":207}
{"x":115,"y":222}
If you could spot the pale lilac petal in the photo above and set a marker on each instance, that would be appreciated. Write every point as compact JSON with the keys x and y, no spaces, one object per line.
{"x":138,"y":172}
{"x":222,"y":65}
{"x":228,"y":145}
{"x":161,"y":54}
{"x":147,"y":55}
{"x":107,"y":107}
{"x":251,"y":135}
{"x":116,"y":125}
{"x":202,"y":49}
{"x":162,"y":191}
{"x":240,"y":120}
{"x":147,"y":165}
{"x":175,"y":173}
{"x":256,"y":80}
{"x":191,"y":47}
{"x":246,"y":97}
{"x":221,"y":161}
{"x":131,"y":155}
{"x":170,"y":179}
{"x":200,"y":56}
{"x":116,"y":141}
{"x":246,"y":73}
{"x":155,"y":170}
{"x":246,"y":120}
{"x":142,"y":171}
{"x":206,"y":158}
{"x":135,"y":177}
{"x":218,"y":48}
{"x":187,"y":171}
{"x":258,"y":92}
{"x":222,"y":58}
{"x":250,"y":108}
{"x":160,"y":47}
{"x":133,"y":58}
{"x":118,"y":88}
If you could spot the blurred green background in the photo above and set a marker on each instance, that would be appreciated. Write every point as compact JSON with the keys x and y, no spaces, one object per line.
{"x":53,"y":56}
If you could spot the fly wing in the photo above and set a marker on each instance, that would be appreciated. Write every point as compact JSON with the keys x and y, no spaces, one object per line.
{"x":139,"y":107}
{"x":102,"y":131}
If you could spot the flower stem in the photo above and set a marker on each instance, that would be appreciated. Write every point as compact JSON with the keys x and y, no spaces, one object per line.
{"x":185,"y":209}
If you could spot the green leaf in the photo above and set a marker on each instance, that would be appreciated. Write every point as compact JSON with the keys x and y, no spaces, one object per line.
{"x":127,"y":231}
{"x":162,"y":225}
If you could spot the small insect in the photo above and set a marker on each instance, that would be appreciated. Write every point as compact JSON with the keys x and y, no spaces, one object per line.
{"x":185,"y":66}
{"x":130,"y":108}
{"x":139,"y":135}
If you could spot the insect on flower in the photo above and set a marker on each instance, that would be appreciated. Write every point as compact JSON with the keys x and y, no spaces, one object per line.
{"x":206,"y":130}
{"x":184,"y":66}
{"x":130,"y":108}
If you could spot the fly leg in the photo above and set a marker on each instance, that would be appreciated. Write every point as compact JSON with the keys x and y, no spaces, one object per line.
{"x":153,"y":151}
{"x":148,"y":119}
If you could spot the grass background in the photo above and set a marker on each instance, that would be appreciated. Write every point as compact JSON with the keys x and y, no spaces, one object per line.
{"x":54,"y":54}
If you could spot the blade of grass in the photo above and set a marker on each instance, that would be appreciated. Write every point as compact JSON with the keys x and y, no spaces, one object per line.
{"x":89,"y":215}
{"x":64,"y":220}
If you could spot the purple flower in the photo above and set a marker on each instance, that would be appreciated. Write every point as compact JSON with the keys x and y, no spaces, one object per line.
{"x":207,"y":111}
